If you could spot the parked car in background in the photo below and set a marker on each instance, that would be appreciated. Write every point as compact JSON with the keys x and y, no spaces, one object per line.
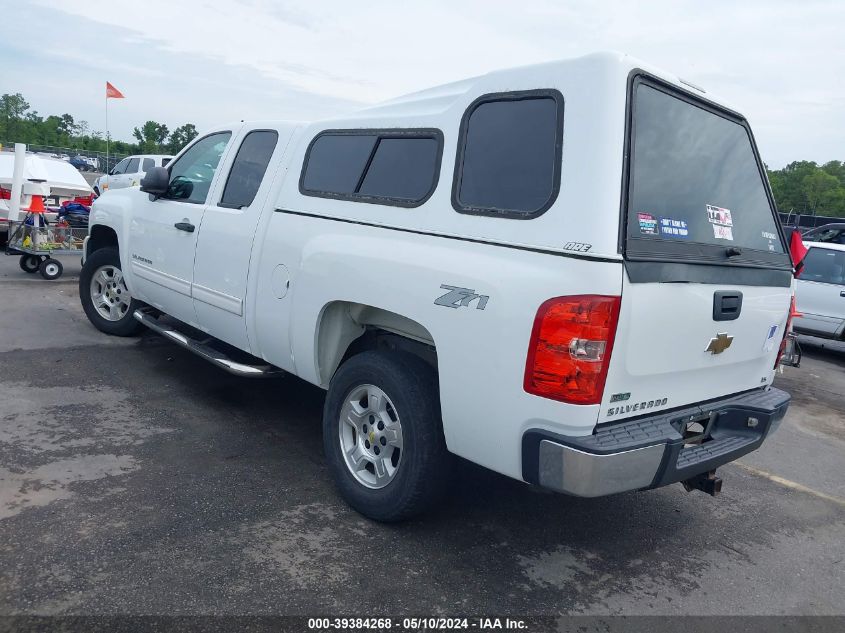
{"x":83,"y":163}
{"x":829,"y":233}
{"x":820,"y":291}
{"x":129,"y":171}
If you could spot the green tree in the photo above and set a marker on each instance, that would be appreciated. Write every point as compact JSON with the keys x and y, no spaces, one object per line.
{"x":13,"y":110}
{"x":820,"y":191}
{"x":836,"y":169}
{"x":67,"y":126}
{"x":180,"y":137}
{"x":151,"y":136}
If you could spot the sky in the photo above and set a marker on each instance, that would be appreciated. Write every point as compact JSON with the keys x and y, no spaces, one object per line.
{"x":781,"y":63}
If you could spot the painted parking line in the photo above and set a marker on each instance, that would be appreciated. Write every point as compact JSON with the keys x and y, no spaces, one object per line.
{"x":794,"y":485}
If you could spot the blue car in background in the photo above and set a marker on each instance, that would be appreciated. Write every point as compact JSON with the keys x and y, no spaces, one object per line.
{"x":83,"y":163}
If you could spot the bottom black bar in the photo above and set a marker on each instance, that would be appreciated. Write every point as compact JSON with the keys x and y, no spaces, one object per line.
{"x":403,"y":624}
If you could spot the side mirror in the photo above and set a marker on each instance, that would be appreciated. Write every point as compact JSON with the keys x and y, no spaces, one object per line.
{"x":156,"y":181}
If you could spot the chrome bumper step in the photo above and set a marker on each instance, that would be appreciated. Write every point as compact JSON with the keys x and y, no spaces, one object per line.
{"x":204,"y":350}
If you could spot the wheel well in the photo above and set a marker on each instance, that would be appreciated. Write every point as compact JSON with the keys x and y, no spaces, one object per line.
{"x":347,"y":329}
{"x":101,"y":237}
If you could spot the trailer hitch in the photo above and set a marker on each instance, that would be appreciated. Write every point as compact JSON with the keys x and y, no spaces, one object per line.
{"x":706,"y":482}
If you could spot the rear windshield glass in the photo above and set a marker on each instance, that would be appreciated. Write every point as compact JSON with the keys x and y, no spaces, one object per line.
{"x":694,"y":178}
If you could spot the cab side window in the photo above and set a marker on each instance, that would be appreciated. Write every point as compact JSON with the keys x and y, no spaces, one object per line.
{"x":825,"y":266}
{"x":148,"y":164}
{"x":248,"y":168}
{"x":191,"y":175}
{"x":134,"y":166}
{"x":120,"y":167}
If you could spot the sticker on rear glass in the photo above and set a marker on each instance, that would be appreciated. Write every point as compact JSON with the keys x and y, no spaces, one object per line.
{"x":769,"y":345}
{"x":720,"y":216}
{"x":722,"y":232}
{"x":648,"y":224}
{"x":669,"y":227}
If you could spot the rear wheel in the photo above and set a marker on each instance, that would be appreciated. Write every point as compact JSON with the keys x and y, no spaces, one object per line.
{"x":383,"y":436}
{"x":104,"y":296}
{"x":30,"y":263}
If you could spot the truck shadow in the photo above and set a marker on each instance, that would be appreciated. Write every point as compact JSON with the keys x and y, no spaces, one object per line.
{"x":822,"y":349}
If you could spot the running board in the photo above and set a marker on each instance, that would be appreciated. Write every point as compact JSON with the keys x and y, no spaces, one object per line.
{"x":202,"y":349}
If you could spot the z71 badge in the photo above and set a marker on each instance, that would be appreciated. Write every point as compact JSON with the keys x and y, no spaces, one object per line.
{"x":461,"y":298}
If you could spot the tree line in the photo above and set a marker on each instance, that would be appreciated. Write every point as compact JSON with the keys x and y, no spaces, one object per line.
{"x":810,"y":189}
{"x":20,"y":124}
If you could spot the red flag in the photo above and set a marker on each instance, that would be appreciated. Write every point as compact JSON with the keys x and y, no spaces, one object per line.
{"x":797,"y":251}
{"x":112,"y":92}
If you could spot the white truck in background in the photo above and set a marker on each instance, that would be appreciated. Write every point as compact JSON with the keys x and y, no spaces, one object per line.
{"x":570,"y":273}
{"x":129,"y":171}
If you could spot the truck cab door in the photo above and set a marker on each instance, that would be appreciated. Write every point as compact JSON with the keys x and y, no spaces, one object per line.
{"x":820,"y":292}
{"x":163,"y":231}
{"x":112,"y":179}
{"x":225,"y":243}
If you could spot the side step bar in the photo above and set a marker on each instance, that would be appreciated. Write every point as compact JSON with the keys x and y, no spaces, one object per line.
{"x":202,"y":349}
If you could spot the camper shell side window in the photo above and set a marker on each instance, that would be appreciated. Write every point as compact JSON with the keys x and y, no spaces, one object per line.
{"x":508,"y":161}
{"x":394,"y":167}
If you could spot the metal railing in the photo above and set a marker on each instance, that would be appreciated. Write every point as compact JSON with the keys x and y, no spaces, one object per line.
{"x":98,"y":161}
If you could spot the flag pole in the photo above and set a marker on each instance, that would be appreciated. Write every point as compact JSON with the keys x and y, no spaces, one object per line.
{"x":107,"y":138}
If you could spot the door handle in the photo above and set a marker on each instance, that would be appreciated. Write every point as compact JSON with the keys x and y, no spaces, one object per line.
{"x":842,"y":293}
{"x":185,"y":226}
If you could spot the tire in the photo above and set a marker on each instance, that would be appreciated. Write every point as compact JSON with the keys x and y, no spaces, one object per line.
{"x":29,"y":263}
{"x":51,"y":269}
{"x":101,"y":277}
{"x":97,"y":191}
{"x":422,"y":467}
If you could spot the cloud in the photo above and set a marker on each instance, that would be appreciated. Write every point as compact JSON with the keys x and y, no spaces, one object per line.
{"x":777,"y":61}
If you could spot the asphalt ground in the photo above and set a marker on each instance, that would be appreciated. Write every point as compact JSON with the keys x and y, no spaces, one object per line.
{"x":137,"y":479}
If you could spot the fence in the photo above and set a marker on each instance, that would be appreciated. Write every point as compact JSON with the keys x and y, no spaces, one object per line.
{"x":98,"y":160}
{"x":806,"y":221}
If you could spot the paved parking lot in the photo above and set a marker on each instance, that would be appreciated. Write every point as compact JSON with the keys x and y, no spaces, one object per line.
{"x":134,"y":478}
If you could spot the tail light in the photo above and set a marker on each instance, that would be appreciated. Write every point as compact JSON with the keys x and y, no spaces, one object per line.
{"x":570,"y":348}
{"x":5,"y":194}
{"x":793,"y":312}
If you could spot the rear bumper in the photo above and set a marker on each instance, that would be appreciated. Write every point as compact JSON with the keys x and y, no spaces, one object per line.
{"x":650,"y":451}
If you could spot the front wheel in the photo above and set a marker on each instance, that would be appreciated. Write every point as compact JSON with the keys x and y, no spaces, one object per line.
{"x":104,"y":296}
{"x":383,"y":436}
{"x":51,"y":269}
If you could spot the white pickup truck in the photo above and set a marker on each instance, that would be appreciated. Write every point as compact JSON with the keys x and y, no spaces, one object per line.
{"x":570,"y":273}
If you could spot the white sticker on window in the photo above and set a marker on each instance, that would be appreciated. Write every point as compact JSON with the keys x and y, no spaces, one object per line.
{"x":723,"y":232}
{"x":718,"y":215}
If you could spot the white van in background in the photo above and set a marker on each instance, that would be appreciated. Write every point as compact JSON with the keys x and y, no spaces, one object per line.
{"x":129,"y":171}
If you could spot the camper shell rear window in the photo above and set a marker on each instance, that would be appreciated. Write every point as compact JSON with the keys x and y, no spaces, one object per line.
{"x":696,"y":190}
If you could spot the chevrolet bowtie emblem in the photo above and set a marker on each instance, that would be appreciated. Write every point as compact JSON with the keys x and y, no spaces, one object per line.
{"x":720,"y":343}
